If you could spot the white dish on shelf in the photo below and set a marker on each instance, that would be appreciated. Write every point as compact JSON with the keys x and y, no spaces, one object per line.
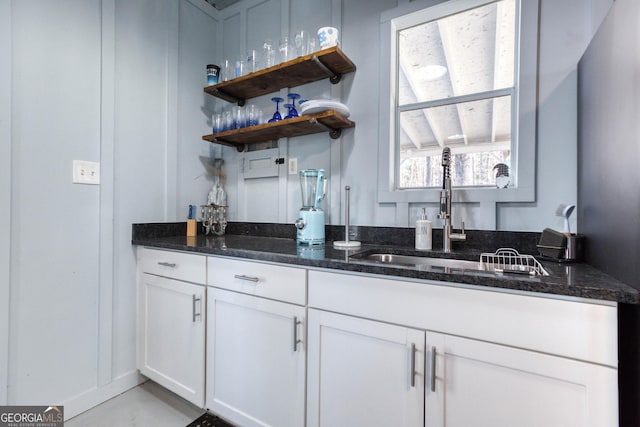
{"x":319,"y":105}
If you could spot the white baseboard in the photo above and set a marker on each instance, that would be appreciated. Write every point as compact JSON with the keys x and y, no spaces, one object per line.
{"x":95,"y":396}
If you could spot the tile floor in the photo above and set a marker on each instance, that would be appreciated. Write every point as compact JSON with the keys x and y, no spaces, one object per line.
{"x":145,"y":405}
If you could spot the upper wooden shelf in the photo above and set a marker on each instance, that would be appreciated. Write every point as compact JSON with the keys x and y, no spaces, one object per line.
{"x":329,"y":63}
{"x":329,"y":120}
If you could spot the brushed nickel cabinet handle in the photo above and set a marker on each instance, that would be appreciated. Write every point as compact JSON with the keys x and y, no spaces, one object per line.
{"x":413,"y":364}
{"x":247,"y":278}
{"x":433,"y":368}
{"x":296,"y":322}
{"x":195,"y":300}
{"x":167,"y":264}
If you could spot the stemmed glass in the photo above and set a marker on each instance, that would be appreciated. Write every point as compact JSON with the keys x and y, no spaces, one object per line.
{"x":292,"y":107}
{"x":276,"y":116}
{"x":289,"y":107}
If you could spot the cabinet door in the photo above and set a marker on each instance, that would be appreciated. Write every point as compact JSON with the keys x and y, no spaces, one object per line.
{"x":255,"y":360}
{"x":482,"y":384}
{"x":364,"y":373}
{"x":171,"y":342}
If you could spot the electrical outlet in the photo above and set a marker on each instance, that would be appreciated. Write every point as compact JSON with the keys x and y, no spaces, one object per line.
{"x":293,"y":166}
{"x":85,"y":172}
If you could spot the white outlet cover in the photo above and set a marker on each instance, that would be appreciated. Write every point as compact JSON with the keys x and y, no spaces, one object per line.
{"x":85,"y":172}
{"x":293,"y":166}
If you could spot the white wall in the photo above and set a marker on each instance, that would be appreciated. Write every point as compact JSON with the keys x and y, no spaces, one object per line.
{"x":113,"y":81}
{"x":5,"y":191}
{"x":566,"y":29}
{"x":55,"y":119}
{"x":198,"y":44}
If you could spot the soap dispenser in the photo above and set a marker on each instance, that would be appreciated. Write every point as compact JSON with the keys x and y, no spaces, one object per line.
{"x":423,"y":232}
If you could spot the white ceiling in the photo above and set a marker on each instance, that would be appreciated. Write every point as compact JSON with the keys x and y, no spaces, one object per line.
{"x":458,"y":55}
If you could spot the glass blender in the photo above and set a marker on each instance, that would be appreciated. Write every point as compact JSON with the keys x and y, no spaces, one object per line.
{"x":310,"y":223}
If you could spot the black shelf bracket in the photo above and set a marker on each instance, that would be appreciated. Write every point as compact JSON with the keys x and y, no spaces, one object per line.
{"x":333,"y":133}
{"x":228,"y":97}
{"x":334,"y":78}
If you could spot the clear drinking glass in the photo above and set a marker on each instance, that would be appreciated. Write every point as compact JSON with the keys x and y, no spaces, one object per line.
{"x":238,"y":117}
{"x":268,"y":54}
{"x":216,"y":122}
{"x":312,"y":45}
{"x":286,"y":50}
{"x":251,"y":115}
{"x":227,"y":120}
{"x":301,"y":42}
{"x":252,"y":61}
{"x":239,"y":67}
{"x":226,"y":71}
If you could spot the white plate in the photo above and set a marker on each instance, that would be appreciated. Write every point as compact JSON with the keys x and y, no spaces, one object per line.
{"x":314,"y":110}
{"x":318,"y":106}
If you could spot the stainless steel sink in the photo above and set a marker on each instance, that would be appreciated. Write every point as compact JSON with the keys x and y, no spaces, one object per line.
{"x":499,"y":264}
{"x":410,"y":260}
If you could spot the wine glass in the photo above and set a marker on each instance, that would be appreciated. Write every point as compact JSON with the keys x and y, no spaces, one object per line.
{"x":289,"y":107}
{"x":276,"y":116}
{"x":292,"y":107}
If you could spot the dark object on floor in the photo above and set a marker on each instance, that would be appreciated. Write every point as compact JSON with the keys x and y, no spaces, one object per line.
{"x":209,"y":420}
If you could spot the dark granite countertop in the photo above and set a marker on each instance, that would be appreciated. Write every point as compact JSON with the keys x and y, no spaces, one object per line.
{"x":249,"y":241}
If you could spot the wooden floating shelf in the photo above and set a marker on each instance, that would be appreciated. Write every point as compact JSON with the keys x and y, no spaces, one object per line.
{"x":329,"y":63}
{"x":327,"y":121}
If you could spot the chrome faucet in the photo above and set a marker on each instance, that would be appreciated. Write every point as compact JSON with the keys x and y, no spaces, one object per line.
{"x":445,"y":204}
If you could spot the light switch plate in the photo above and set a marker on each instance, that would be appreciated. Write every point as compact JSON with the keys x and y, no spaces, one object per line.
{"x":293,"y":166}
{"x":85,"y":172}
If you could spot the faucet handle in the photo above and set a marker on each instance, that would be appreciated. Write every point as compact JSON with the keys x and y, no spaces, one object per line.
{"x":459,"y":236}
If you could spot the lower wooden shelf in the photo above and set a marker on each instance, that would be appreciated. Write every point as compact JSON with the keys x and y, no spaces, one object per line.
{"x":327,"y":121}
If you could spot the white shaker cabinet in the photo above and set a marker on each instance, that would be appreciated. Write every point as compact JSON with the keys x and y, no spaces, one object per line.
{"x":489,"y":359}
{"x":364,"y":373}
{"x":290,"y":347}
{"x":474,"y":383}
{"x":256,"y":345}
{"x":369,"y":373}
{"x":171,"y":322}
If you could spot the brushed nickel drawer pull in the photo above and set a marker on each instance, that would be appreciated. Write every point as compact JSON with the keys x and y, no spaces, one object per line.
{"x":296,"y":322}
{"x":247,"y":278}
{"x":195,"y":301}
{"x":433,"y":369}
{"x":167,"y":264}
{"x":413,"y":364}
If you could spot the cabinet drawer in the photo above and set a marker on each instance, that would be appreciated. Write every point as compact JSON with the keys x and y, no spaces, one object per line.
{"x":572,"y":329}
{"x":265,"y":280}
{"x":177,"y":265}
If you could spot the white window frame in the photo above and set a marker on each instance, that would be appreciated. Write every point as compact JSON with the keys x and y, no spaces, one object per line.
{"x":523,"y":148}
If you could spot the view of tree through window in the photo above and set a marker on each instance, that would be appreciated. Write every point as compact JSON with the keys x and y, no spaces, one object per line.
{"x":456,"y":88}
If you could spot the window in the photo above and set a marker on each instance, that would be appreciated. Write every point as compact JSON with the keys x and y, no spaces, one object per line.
{"x":462,"y":76}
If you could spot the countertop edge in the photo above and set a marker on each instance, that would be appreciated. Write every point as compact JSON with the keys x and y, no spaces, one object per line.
{"x":615,"y":291}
